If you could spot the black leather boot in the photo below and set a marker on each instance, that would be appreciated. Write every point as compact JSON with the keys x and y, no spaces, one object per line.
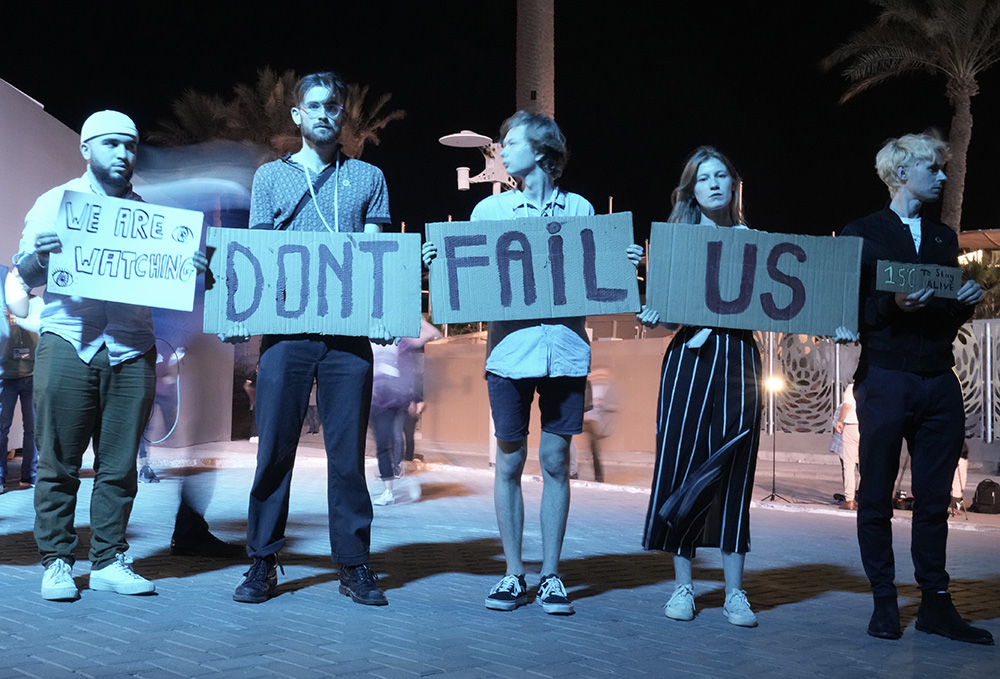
{"x":937,"y":615}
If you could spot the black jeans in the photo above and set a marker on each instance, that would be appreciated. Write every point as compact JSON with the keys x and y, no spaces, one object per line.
{"x":928,"y":412}
{"x":342,"y":367}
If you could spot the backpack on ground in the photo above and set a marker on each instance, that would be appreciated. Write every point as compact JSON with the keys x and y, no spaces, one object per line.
{"x":986,"y":500}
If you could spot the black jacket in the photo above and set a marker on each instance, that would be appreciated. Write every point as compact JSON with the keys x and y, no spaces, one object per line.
{"x":918,"y":341}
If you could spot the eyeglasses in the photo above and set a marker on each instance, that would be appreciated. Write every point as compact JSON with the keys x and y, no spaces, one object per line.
{"x":314,"y":108}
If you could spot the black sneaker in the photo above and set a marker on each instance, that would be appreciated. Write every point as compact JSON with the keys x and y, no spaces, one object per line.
{"x":361,"y":584}
{"x":552,"y":596}
{"x":259,"y":582}
{"x":510,"y":593}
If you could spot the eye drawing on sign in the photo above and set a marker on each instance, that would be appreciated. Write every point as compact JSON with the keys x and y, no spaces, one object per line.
{"x":62,"y":278}
{"x":182,"y":234}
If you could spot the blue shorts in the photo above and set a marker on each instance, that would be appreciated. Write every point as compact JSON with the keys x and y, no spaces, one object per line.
{"x":560,"y":400}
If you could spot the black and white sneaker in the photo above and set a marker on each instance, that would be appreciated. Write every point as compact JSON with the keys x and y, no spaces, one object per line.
{"x":510,"y":593}
{"x":552,"y":596}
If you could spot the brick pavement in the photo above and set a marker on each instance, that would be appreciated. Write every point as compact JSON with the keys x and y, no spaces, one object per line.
{"x":438,"y":558}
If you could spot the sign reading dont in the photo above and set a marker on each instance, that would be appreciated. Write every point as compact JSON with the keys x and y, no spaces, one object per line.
{"x":545,"y":267}
{"x":125,"y":251}
{"x":745,"y":279}
{"x":290,"y":282}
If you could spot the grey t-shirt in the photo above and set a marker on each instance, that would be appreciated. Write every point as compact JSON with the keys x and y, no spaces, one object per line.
{"x":354,"y":195}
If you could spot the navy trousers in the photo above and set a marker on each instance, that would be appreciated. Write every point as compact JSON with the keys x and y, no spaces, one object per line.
{"x":342,"y":367}
{"x":927,"y":412}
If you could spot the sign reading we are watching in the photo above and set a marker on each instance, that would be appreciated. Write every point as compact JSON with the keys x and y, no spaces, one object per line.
{"x":545,"y":267}
{"x":290,"y":282}
{"x":125,"y":251}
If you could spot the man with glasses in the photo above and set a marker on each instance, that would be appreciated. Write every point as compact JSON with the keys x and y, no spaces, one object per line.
{"x":315,"y":189}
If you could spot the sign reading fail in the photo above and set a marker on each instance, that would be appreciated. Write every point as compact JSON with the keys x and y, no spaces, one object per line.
{"x":290,"y":282}
{"x":545,"y":267}
{"x":945,"y":281}
{"x":125,"y":251}
{"x":739,"y":278}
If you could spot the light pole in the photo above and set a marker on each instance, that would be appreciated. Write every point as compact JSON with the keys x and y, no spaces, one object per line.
{"x":774,"y":384}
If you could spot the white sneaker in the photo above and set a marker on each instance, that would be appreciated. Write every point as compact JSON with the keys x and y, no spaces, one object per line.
{"x":119,"y":577}
{"x":737,"y":609}
{"x":680,"y":606}
{"x":386,"y":498}
{"x":57,"y":583}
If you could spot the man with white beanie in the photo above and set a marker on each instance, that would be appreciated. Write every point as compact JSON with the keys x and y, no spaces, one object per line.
{"x":94,"y":379}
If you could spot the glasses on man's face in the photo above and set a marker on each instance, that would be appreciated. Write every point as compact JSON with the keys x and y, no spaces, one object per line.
{"x":314,"y":108}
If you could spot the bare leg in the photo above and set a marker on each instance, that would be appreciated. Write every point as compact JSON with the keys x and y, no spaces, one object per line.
{"x":553,"y":454}
{"x":682,"y":570}
{"x":509,"y":502}
{"x":732,"y":567}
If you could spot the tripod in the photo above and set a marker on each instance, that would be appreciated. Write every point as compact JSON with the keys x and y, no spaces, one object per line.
{"x":774,"y":457}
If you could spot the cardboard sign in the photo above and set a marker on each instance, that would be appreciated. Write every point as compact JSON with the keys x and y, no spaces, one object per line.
{"x":740,"y":278}
{"x":125,"y":251}
{"x":545,"y":267}
{"x":908,"y":277}
{"x":289,"y":282}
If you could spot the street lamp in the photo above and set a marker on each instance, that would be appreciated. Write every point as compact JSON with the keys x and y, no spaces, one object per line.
{"x":774,"y":384}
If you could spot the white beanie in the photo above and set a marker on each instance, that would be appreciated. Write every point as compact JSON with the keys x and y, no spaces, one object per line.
{"x":108,"y":122}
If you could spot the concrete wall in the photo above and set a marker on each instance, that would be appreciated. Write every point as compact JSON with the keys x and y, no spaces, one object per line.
{"x":458,"y":408}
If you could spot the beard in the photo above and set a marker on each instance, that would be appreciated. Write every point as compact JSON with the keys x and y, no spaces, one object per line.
{"x":116,"y":181}
{"x":322,"y":136}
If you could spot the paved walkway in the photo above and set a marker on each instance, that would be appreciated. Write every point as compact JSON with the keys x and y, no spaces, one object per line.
{"x":438,"y":558}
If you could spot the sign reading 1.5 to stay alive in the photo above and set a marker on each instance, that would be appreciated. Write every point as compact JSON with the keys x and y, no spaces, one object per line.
{"x":125,"y":251}
{"x":545,"y":267}
{"x":290,"y":282}
{"x":740,"y":278}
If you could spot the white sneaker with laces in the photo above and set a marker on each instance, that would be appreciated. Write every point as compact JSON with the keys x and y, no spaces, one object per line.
{"x":119,"y":577}
{"x":737,"y":609}
{"x":57,"y":583}
{"x":680,"y":606}
{"x":386,"y":498}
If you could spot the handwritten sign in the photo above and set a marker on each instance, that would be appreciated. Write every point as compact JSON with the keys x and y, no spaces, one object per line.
{"x":945,"y":281}
{"x":740,"y":278}
{"x":546,"y":267}
{"x":125,"y":251}
{"x":289,"y":282}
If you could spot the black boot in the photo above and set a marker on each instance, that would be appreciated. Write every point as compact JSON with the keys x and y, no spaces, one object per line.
{"x":937,"y":615}
{"x":885,"y":619}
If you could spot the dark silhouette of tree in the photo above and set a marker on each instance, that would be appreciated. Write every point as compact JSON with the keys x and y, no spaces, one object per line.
{"x":260,"y":114}
{"x":958,"y":39}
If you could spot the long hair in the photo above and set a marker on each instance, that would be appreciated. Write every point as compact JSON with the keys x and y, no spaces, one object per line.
{"x":686,"y":209}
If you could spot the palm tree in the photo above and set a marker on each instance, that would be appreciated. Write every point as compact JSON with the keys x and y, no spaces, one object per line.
{"x":259,"y":113}
{"x":362,"y":122}
{"x":957,"y":38}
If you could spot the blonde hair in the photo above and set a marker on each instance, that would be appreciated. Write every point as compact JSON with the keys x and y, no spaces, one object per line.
{"x":686,"y":209}
{"x":907,"y":151}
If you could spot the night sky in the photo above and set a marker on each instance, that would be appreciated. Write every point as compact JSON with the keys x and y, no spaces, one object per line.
{"x":638,"y":86}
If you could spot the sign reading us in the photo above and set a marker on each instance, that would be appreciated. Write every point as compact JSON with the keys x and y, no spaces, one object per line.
{"x":544,"y":267}
{"x":945,"y":281}
{"x":125,"y":251}
{"x":290,"y":282}
{"x":740,"y":278}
